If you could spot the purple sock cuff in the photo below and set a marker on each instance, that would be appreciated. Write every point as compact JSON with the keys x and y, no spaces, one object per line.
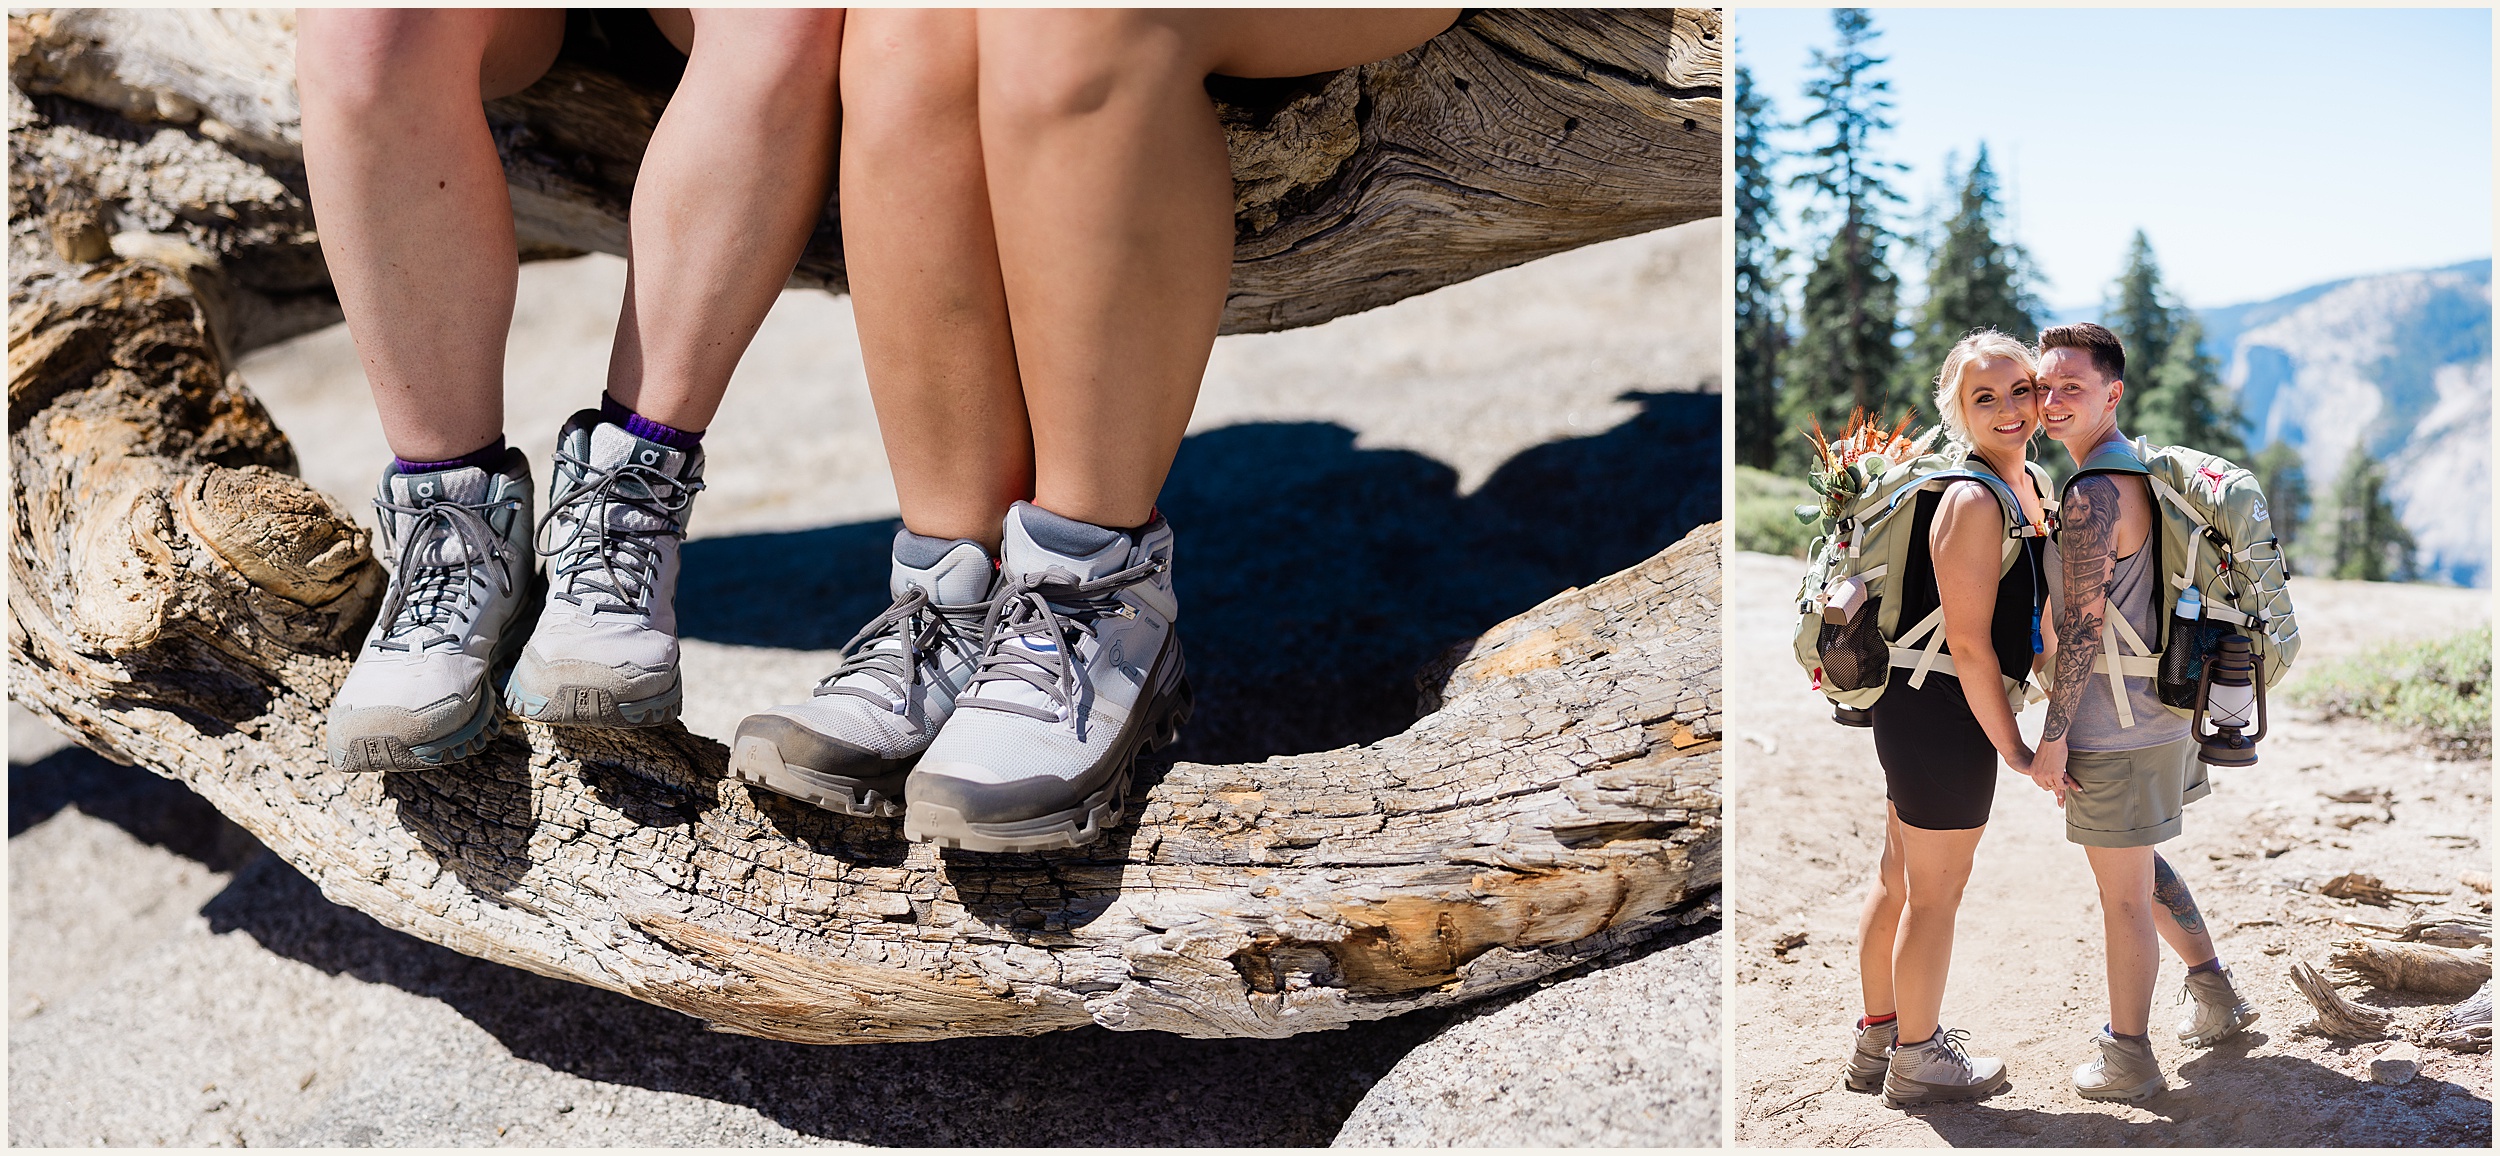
{"x":484,"y":459}
{"x":614,"y":412}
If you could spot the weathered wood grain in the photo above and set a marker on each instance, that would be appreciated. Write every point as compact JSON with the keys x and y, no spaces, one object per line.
{"x":184,"y":606}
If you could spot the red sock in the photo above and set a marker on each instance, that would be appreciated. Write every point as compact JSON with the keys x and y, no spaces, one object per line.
{"x":1865,"y":1022}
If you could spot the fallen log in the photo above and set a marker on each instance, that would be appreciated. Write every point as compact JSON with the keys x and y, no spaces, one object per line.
{"x":2420,"y":968}
{"x":2465,"y":1027}
{"x":2435,"y":926}
{"x":180,"y":601}
{"x":2337,"y":1017}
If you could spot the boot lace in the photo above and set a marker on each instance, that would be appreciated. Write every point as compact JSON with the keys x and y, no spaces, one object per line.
{"x":926,"y":630}
{"x":428,"y":600}
{"x":1063,"y":612}
{"x":1953,"y":1044}
{"x":601,"y":565}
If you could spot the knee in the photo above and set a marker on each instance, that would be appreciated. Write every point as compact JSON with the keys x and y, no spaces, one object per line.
{"x":1938,"y":890}
{"x":774,"y":47}
{"x":359,"y":62}
{"x":907,"y":76}
{"x":1060,"y":66}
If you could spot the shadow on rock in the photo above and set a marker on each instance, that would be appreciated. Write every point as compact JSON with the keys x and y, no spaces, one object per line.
{"x":1088,"y":1086}
{"x":1316,"y":577}
{"x":2228,"y":1097}
{"x":154,"y":810}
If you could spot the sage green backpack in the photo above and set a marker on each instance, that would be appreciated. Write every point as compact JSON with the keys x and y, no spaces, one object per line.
{"x":2217,"y":538}
{"x":1851,"y":660}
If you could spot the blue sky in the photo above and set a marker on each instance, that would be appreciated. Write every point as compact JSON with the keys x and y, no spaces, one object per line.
{"x":2261,"y":150}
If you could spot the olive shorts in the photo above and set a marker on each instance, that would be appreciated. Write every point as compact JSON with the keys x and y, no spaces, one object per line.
{"x":2132,"y":798}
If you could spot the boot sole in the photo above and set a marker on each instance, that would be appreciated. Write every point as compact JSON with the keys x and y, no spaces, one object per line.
{"x":1076,"y":826}
{"x":1857,"y":1083}
{"x":2238,"y":1025}
{"x":585,"y":706}
{"x":375,"y":754}
{"x":2144,"y":1091}
{"x":1931,"y":1094}
{"x":758,"y":762}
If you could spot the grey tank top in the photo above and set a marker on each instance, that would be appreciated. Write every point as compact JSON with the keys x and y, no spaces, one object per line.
{"x":2095,"y":725}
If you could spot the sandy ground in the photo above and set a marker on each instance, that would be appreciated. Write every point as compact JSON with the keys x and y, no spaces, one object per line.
{"x":2027,"y":981}
{"x":1353,"y":497}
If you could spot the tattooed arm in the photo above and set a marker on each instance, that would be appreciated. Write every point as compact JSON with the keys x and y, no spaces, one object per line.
{"x":2086,"y":547}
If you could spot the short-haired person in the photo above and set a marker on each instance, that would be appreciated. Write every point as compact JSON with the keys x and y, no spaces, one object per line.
{"x":1938,"y":742}
{"x":2124,"y":775}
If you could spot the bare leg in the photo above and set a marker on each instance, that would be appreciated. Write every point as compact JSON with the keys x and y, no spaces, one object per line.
{"x":730,"y":188}
{"x":1879,"y":921}
{"x":415,"y":221}
{"x":2185,"y":929}
{"x":2125,"y":875}
{"x":1937,"y":865}
{"x":1112,"y":193}
{"x":923,"y":260}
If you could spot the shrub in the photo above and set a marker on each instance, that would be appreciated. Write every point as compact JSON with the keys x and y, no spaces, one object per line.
{"x":2439,"y":689}
{"x":1765,"y":512}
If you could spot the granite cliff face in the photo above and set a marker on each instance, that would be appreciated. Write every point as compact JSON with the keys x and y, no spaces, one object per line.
{"x":2398,"y":365}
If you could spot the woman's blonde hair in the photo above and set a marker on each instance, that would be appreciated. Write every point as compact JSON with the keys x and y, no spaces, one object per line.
{"x":1976,"y":344}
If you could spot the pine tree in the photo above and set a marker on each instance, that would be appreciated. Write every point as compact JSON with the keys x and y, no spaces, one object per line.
{"x":2370,"y":544}
{"x":1761,"y":314}
{"x":1844,"y":355}
{"x":2140,"y":315}
{"x":2189,"y":405}
{"x":2175,"y":393}
{"x":2286,"y":483}
{"x":1973,"y":280}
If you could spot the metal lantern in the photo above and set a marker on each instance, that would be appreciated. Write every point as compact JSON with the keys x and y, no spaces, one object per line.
{"x":2231,"y":696}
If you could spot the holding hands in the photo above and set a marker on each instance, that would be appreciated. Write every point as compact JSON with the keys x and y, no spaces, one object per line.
{"x":2047,"y":767}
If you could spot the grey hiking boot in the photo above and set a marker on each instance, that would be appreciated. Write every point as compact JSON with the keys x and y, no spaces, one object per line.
{"x":1937,"y":1070}
{"x":849,"y":747}
{"x":1871,"y":1057}
{"x":2125,"y":1071}
{"x":418,"y":695}
{"x":1080,"y":672}
{"x":604,"y":652}
{"x":2219,"y":1013}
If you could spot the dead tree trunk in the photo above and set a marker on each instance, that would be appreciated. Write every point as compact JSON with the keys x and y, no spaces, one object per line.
{"x":180,"y":601}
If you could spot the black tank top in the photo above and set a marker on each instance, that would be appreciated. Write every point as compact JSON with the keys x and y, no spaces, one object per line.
{"x":2019,"y":593}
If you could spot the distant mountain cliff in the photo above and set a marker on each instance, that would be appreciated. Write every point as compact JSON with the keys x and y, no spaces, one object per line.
{"x":2398,"y":364}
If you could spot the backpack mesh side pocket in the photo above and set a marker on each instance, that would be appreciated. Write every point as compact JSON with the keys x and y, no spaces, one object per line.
{"x":1855,"y":654}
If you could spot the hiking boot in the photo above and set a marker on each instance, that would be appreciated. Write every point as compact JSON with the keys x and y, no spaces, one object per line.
{"x":604,"y":652}
{"x":849,"y":747}
{"x":1938,"y":1070}
{"x":2126,"y":1071}
{"x":452,"y":620}
{"x":1080,"y":671}
{"x":2219,"y":1013}
{"x":1872,"y":1056}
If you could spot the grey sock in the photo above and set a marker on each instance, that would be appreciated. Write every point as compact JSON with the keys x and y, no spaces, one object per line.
{"x":1066,"y":535}
{"x":920,"y":551}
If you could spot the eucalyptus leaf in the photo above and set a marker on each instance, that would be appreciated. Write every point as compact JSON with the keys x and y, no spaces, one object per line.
{"x":1809,"y":515}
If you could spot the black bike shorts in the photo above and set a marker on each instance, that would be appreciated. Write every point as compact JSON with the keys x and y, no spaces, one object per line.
{"x":1940,"y":770}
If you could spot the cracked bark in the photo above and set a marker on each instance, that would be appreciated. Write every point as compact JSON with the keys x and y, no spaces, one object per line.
{"x":179,"y":600}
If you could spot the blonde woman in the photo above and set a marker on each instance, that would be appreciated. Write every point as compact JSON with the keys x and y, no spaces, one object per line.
{"x":1940,"y":746}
